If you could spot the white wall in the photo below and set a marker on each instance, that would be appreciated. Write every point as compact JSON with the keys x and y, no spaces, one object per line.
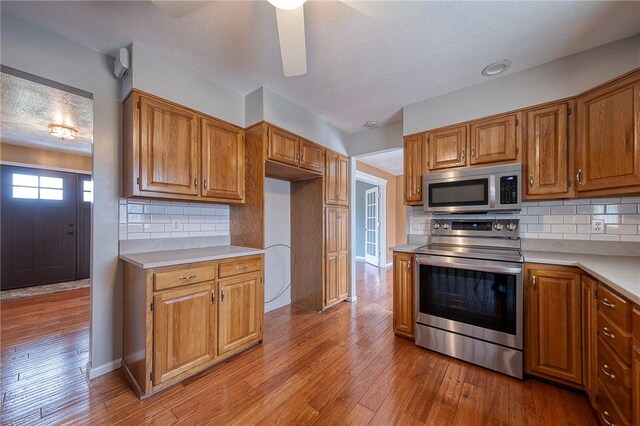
{"x":155,"y":74}
{"x":562,"y":78}
{"x":277,"y":231}
{"x":40,"y":52}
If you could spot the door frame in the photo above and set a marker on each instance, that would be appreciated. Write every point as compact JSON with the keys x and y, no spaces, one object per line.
{"x":382,"y":213}
{"x":374,"y":260}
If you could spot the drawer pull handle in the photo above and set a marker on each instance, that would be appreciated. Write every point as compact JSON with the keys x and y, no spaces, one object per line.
{"x":605,"y":369}
{"x":222,"y":294}
{"x":187,"y":277}
{"x":213,"y":296}
{"x":606,"y":302}
{"x":242,"y":268}
{"x":608,"y":333}
{"x":605,"y":415}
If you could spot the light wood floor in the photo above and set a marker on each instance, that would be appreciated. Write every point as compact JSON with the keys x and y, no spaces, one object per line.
{"x":341,"y":367}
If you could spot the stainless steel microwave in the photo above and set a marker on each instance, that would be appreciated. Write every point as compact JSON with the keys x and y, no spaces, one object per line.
{"x":489,"y":189}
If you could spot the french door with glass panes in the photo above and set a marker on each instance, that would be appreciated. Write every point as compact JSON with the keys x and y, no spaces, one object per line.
{"x":372,"y":226}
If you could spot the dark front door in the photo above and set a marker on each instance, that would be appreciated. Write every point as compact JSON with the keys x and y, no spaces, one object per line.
{"x":39,"y":235}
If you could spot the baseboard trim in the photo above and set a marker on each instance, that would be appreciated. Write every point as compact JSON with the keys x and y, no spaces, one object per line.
{"x":351,"y":299}
{"x":388,"y":264}
{"x":104,"y":368}
{"x":359,"y":257}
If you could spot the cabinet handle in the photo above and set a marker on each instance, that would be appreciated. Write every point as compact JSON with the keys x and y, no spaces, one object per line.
{"x":578,"y":176}
{"x":463,"y":155}
{"x":204,"y":184}
{"x":213,"y":296}
{"x":408,"y":266}
{"x":530,"y":181}
{"x":418,"y":189}
{"x":222,"y":294}
{"x":473,"y":153}
{"x":533,"y":282}
{"x":195,"y":182}
{"x":605,"y":369}
{"x":298,"y":156}
{"x":302,"y":157}
{"x":605,"y":415}
{"x":187,"y":277}
{"x":608,"y":304}
{"x":608,"y":333}
{"x":241,"y":267}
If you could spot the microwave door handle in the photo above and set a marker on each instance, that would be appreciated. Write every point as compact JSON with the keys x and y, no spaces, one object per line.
{"x":492,"y":191}
{"x":461,"y":264}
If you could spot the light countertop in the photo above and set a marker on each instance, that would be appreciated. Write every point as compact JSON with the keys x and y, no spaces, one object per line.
{"x":157,"y":259}
{"x":406,"y":248}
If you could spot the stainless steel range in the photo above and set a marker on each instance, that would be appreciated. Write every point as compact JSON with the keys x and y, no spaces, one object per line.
{"x":469,"y":292}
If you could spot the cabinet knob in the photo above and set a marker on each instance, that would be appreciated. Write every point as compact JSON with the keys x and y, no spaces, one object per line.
{"x":533,"y":282}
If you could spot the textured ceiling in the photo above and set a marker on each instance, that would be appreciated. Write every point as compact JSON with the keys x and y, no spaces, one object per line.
{"x":359,"y":69}
{"x":29,"y":108}
{"x":388,"y":161}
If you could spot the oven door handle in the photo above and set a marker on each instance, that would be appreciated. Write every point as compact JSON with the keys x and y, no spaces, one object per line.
{"x":484,"y":266}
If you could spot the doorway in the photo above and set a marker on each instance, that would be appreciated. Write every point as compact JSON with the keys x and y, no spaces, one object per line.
{"x":371,"y":226}
{"x":370,"y":219}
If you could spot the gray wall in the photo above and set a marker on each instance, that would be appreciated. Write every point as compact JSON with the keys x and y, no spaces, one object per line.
{"x":45,"y":54}
{"x":361,"y":187}
{"x":381,"y":138}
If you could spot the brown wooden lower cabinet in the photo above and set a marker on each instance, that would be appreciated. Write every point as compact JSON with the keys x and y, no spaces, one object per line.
{"x":589,"y":336}
{"x":180,"y":320}
{"x":403,"y":320}
{"x":336,"y":285}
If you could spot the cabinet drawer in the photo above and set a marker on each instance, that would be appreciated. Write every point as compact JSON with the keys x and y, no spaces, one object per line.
{"x":608,"y":413}
{"x":615,"y":307}
{"x":239,"y":266}
{"x":184,"y":276}
{"x":618,"y":339}
{"x":616,"y":376}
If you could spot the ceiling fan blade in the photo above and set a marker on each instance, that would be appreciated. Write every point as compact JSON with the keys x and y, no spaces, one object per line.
{"x":292,"y":42}
{"x":177,"y":8}
{"x":394,"y":13}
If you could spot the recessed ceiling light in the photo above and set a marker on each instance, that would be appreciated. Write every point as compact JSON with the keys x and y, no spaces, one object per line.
{"x":496,"y":68}
{"x":62,"y":132}
{"x":287,"y":4}
{"x":371,"y":123}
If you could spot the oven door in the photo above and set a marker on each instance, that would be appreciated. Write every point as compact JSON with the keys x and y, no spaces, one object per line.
{"x":476,"y":298}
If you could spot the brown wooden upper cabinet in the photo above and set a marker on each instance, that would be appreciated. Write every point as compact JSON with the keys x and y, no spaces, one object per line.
{"x":222,"y":160}
{"x":546,"y":160}
{"x":448,"y":148}
{"x":172,"y":152}
{"x":169,"y":148}
{"x":414,"y":152}
{"x":494,"y":140}
{"x":283,"y":147}
{"x":311,"y":156}
{"x":336,"y":179}
{"x":608,"y":138}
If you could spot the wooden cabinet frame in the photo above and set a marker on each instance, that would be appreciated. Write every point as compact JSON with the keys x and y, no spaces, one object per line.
{"x":403,"y":294}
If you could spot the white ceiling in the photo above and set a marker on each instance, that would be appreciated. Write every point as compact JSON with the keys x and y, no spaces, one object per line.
{"x":28,"y":108}
{"x":388,"y":161}
{"x":358,"y":68}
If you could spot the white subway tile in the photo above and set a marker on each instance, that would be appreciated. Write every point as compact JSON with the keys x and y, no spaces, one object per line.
{"x":605,"y":237}
{"x":197,"y":219}
{"x":179,"y":234}
{"x":563,"y":229}
{"x":575,"y":201}
{"x":197,"y":234}
{"x":168,"y":227}
{"x":538,"y":210}
{"x":563,"y":210}
{"x":135,"y":227}
{"x":207,"y":227}
{"x":528,"y":219}
{"x":191,"y":227}
{"x":122,"y":232}
{"x":160,"y":218}
{"x":629,"y":237}
{"x":577,"y":218}
{"x":208,"y":211}
{"x":138,"y":236}
{"x":137,"y":201}
{"x":630,"y":200}
{"x":138,"y":218}
{"x":551,"y":219}
{"x":550,"y":203}
{"x":122,"y":201}
{"x":583,"y":229}
{"x":622,"y":208}
{"x":161,"y":235}
{"x":122,"y":214}
{"x":154,"y":209}
{"x":135,"y":208}
{"x":590,"y":209}
{"x":575,"y":236}
{"x":174,"y":209}
{"x":551,"y":236}
{"x":529,"y":204}
{"x":529,"y":235}
{"x":631,"y":219}
{"x":192,"y":210}
{"x":179,"y":218}
{"x":605,"y":200}
{"x":538,"y":228}
{"x":621,"y":229}
{"x":153,"y":227}
{"x":223,"y":211}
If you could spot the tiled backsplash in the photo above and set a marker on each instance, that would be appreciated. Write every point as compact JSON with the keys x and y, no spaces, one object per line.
{"x":140,"y":219}
{"x":569,"y":219}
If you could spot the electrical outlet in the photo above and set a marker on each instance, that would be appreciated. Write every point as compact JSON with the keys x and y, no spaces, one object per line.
{"x":597,"y":226}
{"x":175,"y":225}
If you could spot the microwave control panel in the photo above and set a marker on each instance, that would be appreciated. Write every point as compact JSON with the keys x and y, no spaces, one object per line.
{"x":509,"y":189}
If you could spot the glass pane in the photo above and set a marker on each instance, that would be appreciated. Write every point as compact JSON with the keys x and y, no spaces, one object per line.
{"x":50,"y":194}
{"x":24,"y":192}
{"x":50,"y":182}
{"x":87,"y":197}
{"x":87,"y":185}
{"x":25,"y":180}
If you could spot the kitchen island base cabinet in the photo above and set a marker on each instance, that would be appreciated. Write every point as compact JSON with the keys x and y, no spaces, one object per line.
{"x":180,"y":320}
{"x":403,"y":321}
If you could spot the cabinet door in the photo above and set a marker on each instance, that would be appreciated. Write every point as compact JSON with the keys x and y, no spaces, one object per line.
{"x":343,"y":180}
{"x":589,"y":336}
{"x":343,"y":254}
{"x":608,"y":137}
{"x":494,"y":140}
{"x":553,"y":326}
{"x":413,"y":161}
{"x":169,"y":148}
{"x":240,"y":312}
{"x":184,"y":330}
{"x":311,"y":156}
{"x":336,"y":179}
{"x":222,"y":161}
{"x":403,"y":294}
{"x":283,"y":147}
{"x":448,"y":148}
{"x":547,"y":155}
{"x":332,"y":254}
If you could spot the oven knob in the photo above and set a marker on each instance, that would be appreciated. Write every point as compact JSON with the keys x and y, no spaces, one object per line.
{"x":497,"y":227}
{"x":511,"y":226}
{"x":436,"y":225}
{"x":445,"y":225}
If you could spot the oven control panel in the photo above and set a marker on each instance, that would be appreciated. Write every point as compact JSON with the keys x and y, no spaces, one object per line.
{"x":505,"y":228}
{"x":509,"y":189}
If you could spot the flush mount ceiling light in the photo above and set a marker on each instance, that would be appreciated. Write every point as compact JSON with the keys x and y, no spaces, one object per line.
{"x":496,"y":68}
{"x":287,"y":4}
{"x":62,"y":132}
{"x":371,"y":123}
